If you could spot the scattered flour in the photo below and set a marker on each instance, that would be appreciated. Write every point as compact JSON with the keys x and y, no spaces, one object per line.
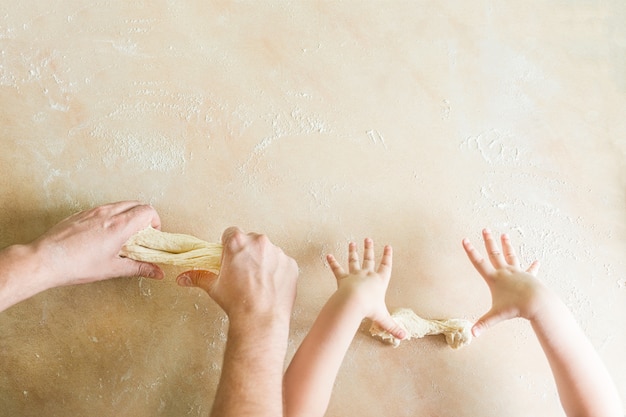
{"x":154,"y":152}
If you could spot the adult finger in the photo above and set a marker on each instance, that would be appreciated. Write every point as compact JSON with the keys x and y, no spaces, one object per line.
{"x":494,"y":253}
{"x":197,"y":278}
{"x":107,"y":210}
{"x":139,"y":216}
{"x":480,"y":263}
{"x":368,"y":255}
{"x":132,"y":268}
{"x":120,"y":206}
{"x":233,"y":235}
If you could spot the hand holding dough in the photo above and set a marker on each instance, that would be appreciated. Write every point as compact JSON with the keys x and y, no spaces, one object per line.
{"x":458,"y":332}
{"x":151,"y":245}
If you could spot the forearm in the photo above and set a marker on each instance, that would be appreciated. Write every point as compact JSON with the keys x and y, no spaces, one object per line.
{"x":251,"y":381}
{"x":584,"y":385}
{"x":20,"y":275}
{"x":311,"y":374}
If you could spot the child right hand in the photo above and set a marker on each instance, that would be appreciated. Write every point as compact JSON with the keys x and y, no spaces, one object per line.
{"x":366,"y":286}
{"x":514,"y":292}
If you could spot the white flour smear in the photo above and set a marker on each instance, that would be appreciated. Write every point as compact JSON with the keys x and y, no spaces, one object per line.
{"x":154,"y":152}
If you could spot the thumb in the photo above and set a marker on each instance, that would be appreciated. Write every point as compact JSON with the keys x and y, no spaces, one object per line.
{"x":197,"y":278}
{"x":390,"y":326}
{"x":488,"y":320}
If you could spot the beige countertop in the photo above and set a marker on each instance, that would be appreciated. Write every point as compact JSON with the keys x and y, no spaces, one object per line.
{"x":315,"y":122}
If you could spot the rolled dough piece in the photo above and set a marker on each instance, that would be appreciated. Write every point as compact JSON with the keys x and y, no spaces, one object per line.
{"x":458,"y":332}
{"x":151,"y":245}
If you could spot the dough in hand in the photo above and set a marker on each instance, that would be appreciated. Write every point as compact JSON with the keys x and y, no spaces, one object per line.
{"x":458,"y":332}
{"x":154,"y":246}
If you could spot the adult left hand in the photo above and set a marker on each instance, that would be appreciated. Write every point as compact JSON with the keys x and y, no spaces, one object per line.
{"x":85,"y":246}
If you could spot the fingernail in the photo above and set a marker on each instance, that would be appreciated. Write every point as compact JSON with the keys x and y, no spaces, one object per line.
{"x":476,"y":331}
{"x":184,"y":281}
{"x":402,"y":334}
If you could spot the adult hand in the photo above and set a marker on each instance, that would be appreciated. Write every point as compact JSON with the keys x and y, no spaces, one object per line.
{"x":256,"y":287}
{"x":85,"y":246}
{"x":257,"y":279}
{"x":82,"y":248}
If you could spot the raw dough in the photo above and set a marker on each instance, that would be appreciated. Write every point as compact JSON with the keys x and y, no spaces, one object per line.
{"x":458,"y":332}
{"x":151,"y":245}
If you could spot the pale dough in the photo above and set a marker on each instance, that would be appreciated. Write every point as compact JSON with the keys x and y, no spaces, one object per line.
{"x":458,"y":332}
{"x":151,"y":245}
{"x":154,"y":246}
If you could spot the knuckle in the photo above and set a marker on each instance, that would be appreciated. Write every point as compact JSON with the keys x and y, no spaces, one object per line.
{"x":144,"y":212}
{"x":144,"y":270}
{"x":263,"y":239}
{"x":233,"y":239}
{"x":100,"y":210}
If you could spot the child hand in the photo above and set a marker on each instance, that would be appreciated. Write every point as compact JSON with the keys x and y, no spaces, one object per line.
{"x":514,"y":292}
{"x":366,"y":285}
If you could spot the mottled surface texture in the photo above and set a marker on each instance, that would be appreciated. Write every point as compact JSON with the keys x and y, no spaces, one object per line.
{"x":416,"y":123}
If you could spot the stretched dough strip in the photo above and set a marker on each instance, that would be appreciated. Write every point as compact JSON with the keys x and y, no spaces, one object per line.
{"x":458,"y":332}
{"x":151,"y":245}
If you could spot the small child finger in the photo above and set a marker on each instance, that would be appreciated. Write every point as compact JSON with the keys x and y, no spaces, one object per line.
{"x":533,"y":269}
{"x":338,"y":271}
{"x":509,"y":252}
{"x":353,"y":257}
{"x":495,"y":255}
{"x":368,"y":254}
{"x":386,"y":261}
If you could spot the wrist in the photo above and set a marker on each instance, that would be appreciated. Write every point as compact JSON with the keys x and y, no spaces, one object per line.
{"x":260,"y":337}
{"x":22,"y":274}
{"x":545,"y":302}
{"x":354,"y":299}
{"x":259,"y":326}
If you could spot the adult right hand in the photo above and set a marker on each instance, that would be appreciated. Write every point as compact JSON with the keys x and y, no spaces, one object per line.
{"x":257,"y":279}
